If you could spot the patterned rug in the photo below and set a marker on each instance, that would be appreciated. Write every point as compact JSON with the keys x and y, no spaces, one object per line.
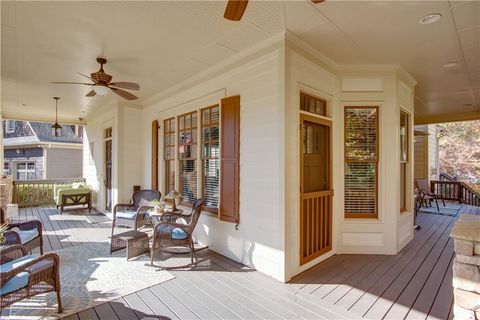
{"x":449,"y":210}
{"x":90,"y":276}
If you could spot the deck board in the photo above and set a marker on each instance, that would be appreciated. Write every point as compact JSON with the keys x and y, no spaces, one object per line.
{"x":414,"y":284}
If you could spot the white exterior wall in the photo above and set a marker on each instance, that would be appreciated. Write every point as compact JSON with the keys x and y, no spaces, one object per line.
{"x":63,"y":162}
{"x":94,"y":172}
{"x":259,"y":240}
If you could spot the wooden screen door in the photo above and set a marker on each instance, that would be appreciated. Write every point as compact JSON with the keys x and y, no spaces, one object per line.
{"x":108,"y":170}
{"x":315,"y":188}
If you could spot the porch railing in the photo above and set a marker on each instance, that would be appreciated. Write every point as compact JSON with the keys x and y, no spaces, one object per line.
{"x":30,"y":193}
{"x":456,"y":191}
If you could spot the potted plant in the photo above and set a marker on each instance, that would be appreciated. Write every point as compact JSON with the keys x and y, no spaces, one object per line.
{"x":158,"y":205}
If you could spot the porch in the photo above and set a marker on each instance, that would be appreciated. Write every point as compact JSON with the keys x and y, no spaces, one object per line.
{"x":415,"y":283}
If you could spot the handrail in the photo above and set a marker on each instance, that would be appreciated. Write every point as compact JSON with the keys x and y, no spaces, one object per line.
{"x":447,"y":177}
{"x":455,"y":190}
{"x":28,"y":193}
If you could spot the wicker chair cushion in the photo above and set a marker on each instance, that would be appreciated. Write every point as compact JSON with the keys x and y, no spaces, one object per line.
{"x":127,"y":215}
{"x":19,"y":281}
{"x":27,"y":235}
{"x":175,"y":233}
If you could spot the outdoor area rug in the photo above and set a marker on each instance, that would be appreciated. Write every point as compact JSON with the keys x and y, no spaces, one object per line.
{"x":449,"y":210}
{"x":90,"y":276}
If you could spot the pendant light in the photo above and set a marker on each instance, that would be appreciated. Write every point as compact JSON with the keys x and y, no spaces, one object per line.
{"x":56,"y":128}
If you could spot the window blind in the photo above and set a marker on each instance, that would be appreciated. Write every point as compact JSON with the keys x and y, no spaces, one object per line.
{"x":169,"y":153}
{"x":187,"y":153}
{"x":211,"y":155}
{"x":361,"y":157}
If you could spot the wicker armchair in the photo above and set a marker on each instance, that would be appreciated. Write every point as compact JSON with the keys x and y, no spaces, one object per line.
{"x":23,"y":276}
{"x":171,"y":234}
{"x":133,"y":214}
{"x":29,"y":234}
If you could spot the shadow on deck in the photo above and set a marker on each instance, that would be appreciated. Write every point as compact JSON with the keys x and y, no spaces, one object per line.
{"x":414,"y":284}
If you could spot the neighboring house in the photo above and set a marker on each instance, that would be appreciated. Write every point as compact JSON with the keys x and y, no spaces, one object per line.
{"x":426,"y":163}
{"x":31,"y":152}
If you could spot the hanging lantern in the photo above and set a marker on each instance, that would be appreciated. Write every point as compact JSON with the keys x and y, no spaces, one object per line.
{"x":56,"y":128}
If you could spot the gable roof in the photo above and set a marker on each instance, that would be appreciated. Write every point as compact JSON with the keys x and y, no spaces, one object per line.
{"x":29,"y":132}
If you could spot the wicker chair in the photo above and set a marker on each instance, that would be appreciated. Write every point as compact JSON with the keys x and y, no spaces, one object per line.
{"x":428,"y":195}
{"x":23,"y":276}
{"x":29,"y":234}
{"x":171,"y":234}
{"x":133,"y":214}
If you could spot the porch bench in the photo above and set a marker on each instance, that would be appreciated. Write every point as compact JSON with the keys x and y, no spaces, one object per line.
{"x":74,"y":194}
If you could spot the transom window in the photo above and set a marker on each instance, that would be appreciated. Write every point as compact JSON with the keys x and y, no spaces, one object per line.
{"x":313,"y":104}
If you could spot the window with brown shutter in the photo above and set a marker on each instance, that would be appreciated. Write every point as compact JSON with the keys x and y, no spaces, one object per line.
{"x":211,"y":156}
{"x":230,"y":160}
{"x":187,"y":155}
{"x":169,"y":153}
{"x":361,"y":162}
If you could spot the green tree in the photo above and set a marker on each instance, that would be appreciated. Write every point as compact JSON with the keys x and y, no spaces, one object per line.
{"x":459,"y":151}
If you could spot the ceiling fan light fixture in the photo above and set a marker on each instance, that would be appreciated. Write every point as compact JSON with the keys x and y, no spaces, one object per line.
{"x":430,"y":18}
{"x":56,"y":128}
{"x":101,"y":90}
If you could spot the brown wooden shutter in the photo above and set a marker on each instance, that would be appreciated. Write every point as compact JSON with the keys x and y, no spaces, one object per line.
{"x":230,"y":160}
{"x":155,"y":155}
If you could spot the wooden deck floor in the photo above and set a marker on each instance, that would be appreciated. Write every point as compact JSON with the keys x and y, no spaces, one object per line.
{"x":414,"y":284}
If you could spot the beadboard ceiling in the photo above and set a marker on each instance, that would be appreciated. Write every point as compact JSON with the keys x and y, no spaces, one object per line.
{"x":162,"y":43}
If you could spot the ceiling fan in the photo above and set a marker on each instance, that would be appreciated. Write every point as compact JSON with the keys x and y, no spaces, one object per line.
{"x":236,"y":8}
{"x":102,"y":83}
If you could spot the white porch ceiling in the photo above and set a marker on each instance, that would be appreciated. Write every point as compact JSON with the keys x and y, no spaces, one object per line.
{"x":159,"y":44}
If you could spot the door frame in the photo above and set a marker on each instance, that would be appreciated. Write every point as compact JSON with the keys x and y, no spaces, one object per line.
{"x":321,"y":120}
{"x":104,"y":166}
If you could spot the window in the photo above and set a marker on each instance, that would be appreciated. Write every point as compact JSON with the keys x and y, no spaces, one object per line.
{"x":312,"y":104}
{"x":6,"y":169}
{"x":404,"y":154}
{"x":9,"y":126}
{"x":211,"y":155}
{"x":169,"y":153}
{"x":361,"y":162}
{"x":187,"y":155}
{"x":26,"y":170}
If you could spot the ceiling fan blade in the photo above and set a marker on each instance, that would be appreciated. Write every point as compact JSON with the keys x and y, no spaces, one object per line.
{"x":317,"y":1}
{"x":90,"y":93}
{"x":124,"y":94}
{"x":126,"y":85}
{"x":84,"y":75}
{"x":67,"y":82}
{"x":235,"y":9}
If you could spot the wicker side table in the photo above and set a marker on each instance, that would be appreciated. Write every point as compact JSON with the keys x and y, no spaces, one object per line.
{"x":136,"y":243}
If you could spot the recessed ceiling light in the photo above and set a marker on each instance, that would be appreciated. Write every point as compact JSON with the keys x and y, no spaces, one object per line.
{"x":468,"y":105}
{"x":450,"y":64}
{"x":430,"y":18}
{"x":461,"y":91}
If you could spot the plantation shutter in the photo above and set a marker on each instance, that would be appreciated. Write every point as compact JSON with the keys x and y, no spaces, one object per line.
{"x":155,"y":155}
{"x":361,"y":158}
{"x":230,"y":160}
